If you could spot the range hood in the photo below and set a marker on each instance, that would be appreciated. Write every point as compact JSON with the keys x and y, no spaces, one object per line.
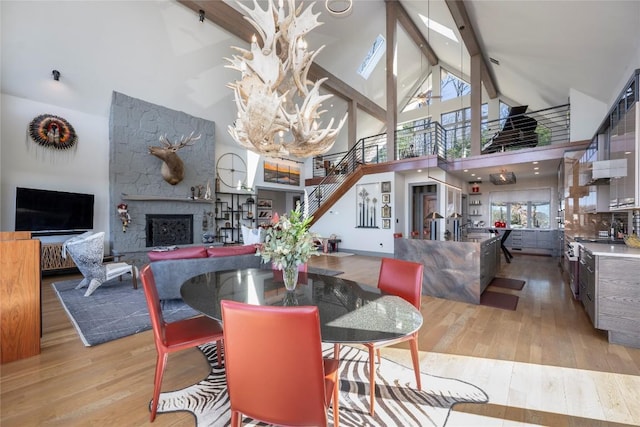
{"x":603,"y":170}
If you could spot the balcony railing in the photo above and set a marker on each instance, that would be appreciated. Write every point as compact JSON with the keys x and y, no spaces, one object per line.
{"x":551,"y":127}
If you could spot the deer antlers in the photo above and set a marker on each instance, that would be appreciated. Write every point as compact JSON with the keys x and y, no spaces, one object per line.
{"x":172,"y":166}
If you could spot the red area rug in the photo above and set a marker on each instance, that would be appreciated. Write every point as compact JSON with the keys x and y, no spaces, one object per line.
{"x":499,"y":300}
{"x":503,"y":282}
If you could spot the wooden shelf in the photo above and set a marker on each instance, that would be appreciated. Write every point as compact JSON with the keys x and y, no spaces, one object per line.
{"x":143,"y":198}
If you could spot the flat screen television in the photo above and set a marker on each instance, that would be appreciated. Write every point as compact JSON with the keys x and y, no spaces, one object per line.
{"x":53,"y":211}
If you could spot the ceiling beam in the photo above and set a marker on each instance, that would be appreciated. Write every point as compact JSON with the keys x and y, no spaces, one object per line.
{"x":414,"y":33}
{"x":461,"y":18}
{"x":233,"y":21}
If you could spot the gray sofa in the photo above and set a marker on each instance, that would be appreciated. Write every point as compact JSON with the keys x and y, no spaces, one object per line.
{"x":171,"y":269}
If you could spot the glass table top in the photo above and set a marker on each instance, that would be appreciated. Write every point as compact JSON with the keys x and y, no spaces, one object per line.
{"x":349,"y":312}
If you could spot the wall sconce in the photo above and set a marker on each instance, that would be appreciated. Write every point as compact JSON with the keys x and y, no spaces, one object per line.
{"x":56,"y":75}
{"x":201,"y":12}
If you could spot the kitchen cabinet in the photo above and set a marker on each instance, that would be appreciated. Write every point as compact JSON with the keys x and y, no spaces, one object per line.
{"x":623,"y":146}
{"x":533,"y":241}
{"x":489,"y":262}
{"x":609,"y":289}
{"x":587,"y":284}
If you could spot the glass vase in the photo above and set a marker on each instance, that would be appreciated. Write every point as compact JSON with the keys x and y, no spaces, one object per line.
{"x":290,"y":277}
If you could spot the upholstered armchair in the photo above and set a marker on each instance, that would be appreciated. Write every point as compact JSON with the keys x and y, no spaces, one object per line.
{"x":87,"y":251}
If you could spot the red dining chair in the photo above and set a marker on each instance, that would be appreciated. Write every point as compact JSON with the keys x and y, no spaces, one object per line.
{"x":289,"y":383}
{"x":174,"y":336}
{"x":404,"y":279}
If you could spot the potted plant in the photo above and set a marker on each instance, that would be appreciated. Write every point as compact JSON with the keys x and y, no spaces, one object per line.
{"x":289,"y":243}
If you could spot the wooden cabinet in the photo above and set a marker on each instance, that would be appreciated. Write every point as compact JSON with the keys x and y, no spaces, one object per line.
{"x":618,"y":299}
{"x":52,"y":260}
{"x":611,"y":296}
{"x":19,"y":296}
{"x":587,"y":284}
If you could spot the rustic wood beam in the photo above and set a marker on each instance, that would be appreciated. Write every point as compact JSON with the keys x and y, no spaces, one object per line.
{"x":461,"y":18}
{"x":229,"y":19}
{"x":391,"y":77}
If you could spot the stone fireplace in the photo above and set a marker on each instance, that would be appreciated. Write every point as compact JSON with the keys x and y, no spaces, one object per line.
{"x":135,"y":177}
{"x":169,"y":230}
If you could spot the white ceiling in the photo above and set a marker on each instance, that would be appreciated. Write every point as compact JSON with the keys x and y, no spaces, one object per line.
{"x":545,"y":48}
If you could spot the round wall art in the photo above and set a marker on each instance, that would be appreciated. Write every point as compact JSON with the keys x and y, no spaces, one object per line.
{"x":52,"y":131}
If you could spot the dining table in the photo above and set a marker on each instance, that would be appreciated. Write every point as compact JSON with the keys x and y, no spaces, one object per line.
{"x":350,"y":312}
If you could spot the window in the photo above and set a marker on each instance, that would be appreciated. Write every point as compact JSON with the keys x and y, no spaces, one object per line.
{"x":452,"y":87}
{"x":373,"y":57}
{"x":457,"y":125}
{"x":522,"y":208}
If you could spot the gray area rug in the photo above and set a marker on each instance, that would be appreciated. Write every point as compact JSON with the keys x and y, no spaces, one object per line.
{"x":116,"y":310}
{"x":398,"y":403}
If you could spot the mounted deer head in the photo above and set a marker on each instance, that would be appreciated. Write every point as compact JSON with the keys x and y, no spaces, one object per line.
{"x":172,"y":167}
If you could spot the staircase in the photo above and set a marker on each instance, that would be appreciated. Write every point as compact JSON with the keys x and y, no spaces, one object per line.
{"x":425,"y":145}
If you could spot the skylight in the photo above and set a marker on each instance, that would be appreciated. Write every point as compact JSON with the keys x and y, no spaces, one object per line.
{"x":373,"y":57}
{"x":439,"y":28}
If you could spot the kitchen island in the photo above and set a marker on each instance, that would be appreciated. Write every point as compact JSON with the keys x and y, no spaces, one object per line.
{"x":458,"y":270}
{"x":610,"y":290}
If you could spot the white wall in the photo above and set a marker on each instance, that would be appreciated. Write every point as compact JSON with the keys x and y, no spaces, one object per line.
{"x":156,"y":51}
{"x":587,"y":114}
{"x":84,"y":168}
{"x":341,"y":220}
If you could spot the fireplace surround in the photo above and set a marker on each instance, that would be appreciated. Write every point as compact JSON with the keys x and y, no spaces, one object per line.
{"x":135,"y":178}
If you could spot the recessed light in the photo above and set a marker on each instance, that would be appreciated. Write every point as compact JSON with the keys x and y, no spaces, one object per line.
{"x":466,"y":170}
{"x":473,"y":174}
{"x":419,"y":170}
{"x":536,"y":168}
{"x":536,"y":173}
{"x":536,"y":162}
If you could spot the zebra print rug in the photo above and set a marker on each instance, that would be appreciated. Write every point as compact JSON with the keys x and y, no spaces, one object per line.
{"x":398,"y":403}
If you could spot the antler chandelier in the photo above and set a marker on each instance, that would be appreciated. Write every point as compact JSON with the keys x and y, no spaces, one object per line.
{"x":279,"y":108}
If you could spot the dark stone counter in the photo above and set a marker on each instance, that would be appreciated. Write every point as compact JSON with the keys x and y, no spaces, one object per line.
{"x":453,"y":270}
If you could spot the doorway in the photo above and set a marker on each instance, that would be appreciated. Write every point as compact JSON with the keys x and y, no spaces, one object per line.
{"x":424,"y":200}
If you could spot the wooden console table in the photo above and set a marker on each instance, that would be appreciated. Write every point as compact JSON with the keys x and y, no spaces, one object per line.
{"x":52,"y":260}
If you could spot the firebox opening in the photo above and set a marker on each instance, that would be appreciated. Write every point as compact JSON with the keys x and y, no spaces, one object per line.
{"x":169,"y":230}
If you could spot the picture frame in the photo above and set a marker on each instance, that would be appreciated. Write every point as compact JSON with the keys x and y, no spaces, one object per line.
{"x":385,"y":187}
{"x":386,"y":211}
{"x":386,"y":198}
{"x":265,"y":204}
{"x":386,"y":223}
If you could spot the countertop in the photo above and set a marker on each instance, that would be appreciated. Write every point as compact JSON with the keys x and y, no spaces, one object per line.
{"x":611,"y":249}
{"x":468,"y":238}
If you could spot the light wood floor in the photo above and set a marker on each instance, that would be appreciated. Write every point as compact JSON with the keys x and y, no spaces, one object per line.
{"x":542,"y":364}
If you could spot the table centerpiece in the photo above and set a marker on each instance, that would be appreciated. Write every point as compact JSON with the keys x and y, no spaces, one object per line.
{"x":289,"y":243}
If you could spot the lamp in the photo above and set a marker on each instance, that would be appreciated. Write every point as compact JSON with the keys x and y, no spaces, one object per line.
{"x":433,"y":226}
{"x":503,"y":178}
{"x":274,"y":93}
{"x":56,"y":75}
{"x":457,"y":229}
{"x":338,"y":7}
